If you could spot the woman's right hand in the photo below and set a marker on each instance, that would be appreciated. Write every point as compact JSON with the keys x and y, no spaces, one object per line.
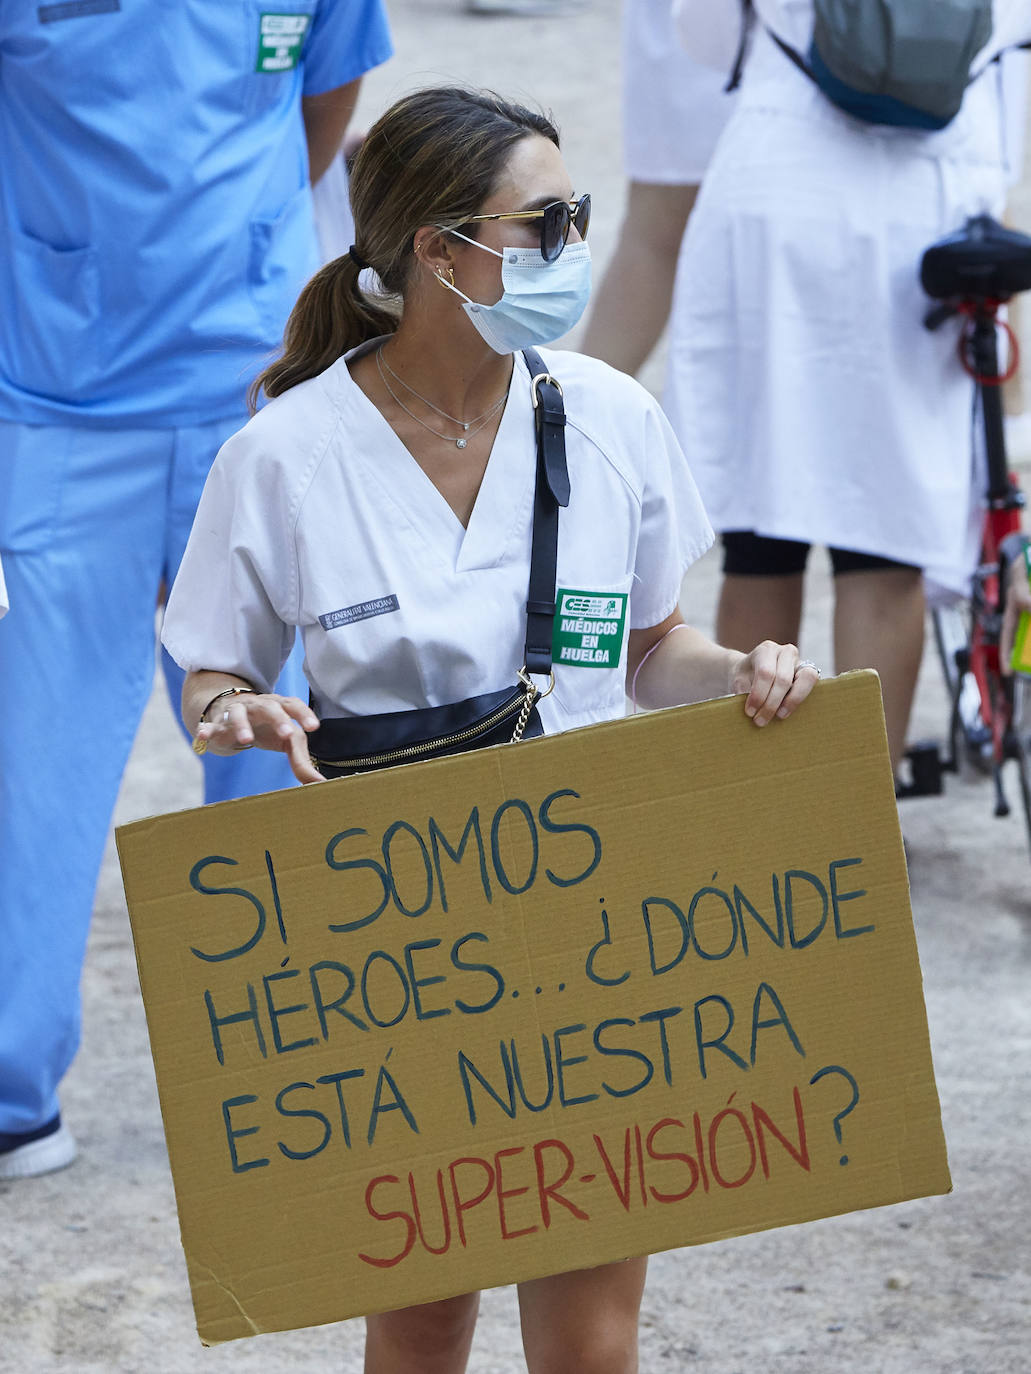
{"x":267,"y":721}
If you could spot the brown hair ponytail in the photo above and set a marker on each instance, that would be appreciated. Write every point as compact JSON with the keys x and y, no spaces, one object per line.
{"x":433,"y":158}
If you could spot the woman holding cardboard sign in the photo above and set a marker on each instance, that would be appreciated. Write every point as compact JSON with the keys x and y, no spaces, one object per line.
{"x":450,"y":590}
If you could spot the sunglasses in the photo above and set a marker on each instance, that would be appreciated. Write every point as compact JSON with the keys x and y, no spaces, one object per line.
{"x":555,"y":221}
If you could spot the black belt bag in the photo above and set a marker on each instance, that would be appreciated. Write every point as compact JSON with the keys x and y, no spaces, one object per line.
{"x":360,"y":744}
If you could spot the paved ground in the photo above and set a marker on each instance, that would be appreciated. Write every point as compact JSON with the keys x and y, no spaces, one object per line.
{"x":93,"y":1276}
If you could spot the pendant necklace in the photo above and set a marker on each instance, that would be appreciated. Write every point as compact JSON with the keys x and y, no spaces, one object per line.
{"x":469,"y":427}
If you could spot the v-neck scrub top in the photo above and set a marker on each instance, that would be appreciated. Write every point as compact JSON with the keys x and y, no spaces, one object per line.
{"x":316,"y":516}
{"x":155,"y":211}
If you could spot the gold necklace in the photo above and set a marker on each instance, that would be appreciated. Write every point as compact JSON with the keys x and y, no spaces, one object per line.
{"x":469,"y":427}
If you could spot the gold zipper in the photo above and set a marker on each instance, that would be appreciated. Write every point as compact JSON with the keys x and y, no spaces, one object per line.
{"x":411,"y":751}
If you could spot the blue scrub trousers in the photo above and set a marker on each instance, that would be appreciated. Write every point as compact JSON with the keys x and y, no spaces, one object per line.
{"x":91,"y":523}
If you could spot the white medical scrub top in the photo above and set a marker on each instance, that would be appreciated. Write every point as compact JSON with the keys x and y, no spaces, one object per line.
{"x":315,"y":515}
{"x":801,"y":380}
{"x":155,"y":211}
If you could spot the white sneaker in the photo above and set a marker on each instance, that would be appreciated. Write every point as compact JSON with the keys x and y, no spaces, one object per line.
{"x":40,"y":1154}
{"x":526,"y":8}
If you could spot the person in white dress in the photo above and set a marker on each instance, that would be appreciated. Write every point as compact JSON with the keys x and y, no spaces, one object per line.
{"x":674,"y":110}
{"x":381,"y":504}
{"x":814,"y":406}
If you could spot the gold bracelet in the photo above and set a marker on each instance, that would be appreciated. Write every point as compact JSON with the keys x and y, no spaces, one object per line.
{"x":200,"y":745}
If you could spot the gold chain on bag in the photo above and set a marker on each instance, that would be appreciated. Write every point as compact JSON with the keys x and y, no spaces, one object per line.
{"x":533,"y":695}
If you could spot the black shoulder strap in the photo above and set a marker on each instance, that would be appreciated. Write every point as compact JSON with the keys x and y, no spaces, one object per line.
{"x":747,"y":20}
{"x":552,"y":491}
{"x":796,"y":57}
{"x":748,"y":17}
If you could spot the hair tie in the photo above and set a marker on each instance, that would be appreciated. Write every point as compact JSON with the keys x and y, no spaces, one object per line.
{"x":680,"y":625}
{"x":357,"y":258}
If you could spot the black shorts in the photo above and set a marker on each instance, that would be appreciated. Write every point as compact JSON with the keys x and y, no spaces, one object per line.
{"x":746,"y":554}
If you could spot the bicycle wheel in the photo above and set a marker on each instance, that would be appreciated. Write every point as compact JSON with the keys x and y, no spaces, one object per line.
{"x":969,"y":736}
{"x":1020,"y":741}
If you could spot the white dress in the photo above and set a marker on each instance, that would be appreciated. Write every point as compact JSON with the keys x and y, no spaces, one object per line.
{"x":674,"y":109}
{"x":810,"y":400}
{"x":315,"y":515}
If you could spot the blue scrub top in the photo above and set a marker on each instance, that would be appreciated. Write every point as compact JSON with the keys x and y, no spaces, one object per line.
{"x":155,"y":210}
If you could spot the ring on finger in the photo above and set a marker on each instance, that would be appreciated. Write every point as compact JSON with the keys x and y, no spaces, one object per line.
{"x":807,"y":663}
{"x":236,"y":747}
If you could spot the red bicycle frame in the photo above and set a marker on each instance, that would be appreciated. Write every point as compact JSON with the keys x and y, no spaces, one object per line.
{"x":1003,"y":504}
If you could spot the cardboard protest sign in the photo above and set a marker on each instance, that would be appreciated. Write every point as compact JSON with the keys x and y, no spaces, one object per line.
{"x":531,"y":1009}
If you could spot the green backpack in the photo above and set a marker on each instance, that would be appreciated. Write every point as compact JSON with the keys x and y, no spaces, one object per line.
{"x":900,"y":62}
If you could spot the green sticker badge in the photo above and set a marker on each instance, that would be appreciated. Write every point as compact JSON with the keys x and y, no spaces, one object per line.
{"x":589,"y":628}
{"x":280,"y":39}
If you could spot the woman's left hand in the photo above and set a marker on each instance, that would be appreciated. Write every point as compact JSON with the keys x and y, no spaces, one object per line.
{"x":776,"y":679}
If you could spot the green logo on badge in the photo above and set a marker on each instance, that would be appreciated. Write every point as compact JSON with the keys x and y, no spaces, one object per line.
{"x":280,"y":40}
{"x":589,"y":628}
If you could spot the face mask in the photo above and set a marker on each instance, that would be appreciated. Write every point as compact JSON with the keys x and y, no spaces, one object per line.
{"x":541,"y":300}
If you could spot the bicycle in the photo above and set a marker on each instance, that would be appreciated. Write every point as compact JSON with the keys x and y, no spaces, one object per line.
{"x":971,"y":274}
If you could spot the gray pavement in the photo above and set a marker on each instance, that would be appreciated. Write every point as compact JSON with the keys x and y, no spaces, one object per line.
{"x":93,"y":1277}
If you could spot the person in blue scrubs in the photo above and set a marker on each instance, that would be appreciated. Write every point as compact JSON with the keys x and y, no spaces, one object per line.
{"x":156,"y":226}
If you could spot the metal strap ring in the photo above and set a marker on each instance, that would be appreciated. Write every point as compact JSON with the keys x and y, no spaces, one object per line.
{"x":535,"y":383}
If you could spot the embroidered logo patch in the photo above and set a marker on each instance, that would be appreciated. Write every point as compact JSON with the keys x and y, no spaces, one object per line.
{"x":280,"y":40}
{"x":589,"y":628}
{"x":365,"y":610}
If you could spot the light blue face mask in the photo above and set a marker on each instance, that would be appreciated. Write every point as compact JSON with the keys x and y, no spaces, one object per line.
{"x":541,"y":300}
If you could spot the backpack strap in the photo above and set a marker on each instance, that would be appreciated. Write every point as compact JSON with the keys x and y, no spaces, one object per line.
{"x":796,"y":57}
{"x":747,"y":21}
{"x":748,"y":18}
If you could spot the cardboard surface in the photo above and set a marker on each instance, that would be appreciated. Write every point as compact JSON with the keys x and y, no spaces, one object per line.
{"x":530,"y":1009}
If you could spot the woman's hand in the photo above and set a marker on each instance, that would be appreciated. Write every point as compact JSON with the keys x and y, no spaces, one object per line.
{"x":670,"y":669}
{"x":265,"y":720}
{"x":776,"y":679}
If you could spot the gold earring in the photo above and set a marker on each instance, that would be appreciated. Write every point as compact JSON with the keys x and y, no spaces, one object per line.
{"x":451,"y":276}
